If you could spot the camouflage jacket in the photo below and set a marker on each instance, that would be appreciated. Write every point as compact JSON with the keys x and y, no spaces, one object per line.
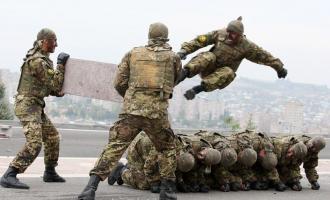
{"x":288,"y":169}
{"x":146,"y":103}
{"x":231,"y":56}
{"x":38,"y":77}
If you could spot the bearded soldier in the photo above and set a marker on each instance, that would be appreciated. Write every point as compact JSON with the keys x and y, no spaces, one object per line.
{"x":145,"y":78}
{"x":38,"y":80}
{"x":290,"y":154}
{"x":217,"y":67}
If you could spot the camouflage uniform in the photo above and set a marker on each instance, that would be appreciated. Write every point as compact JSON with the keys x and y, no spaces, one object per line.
{"x":260,"y":142}
{"x":288,"y":169}
{"x":143,"y":167}
{"x":217,"y":67}
{"x":38,"y":80}
{"x":310,"y":161}
{"x":145,"y":78}
{"x":141,"y":157}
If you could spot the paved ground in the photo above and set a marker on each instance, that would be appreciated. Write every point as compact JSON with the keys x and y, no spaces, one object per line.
{"x":73,"y":186}
{"x":79,"y":149}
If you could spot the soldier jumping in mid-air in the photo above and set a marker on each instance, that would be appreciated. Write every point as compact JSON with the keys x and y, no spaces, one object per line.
{"x":217,"y":67}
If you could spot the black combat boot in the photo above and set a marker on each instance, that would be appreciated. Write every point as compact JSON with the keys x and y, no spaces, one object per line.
{"x":155,"y":187}
{"x":9,"y":180}
{"x":116,"y":174}
{"x":89,"y":191}
{"x":50,"y":175}
{"x":279,"y":186}
{"x":167,"y":190}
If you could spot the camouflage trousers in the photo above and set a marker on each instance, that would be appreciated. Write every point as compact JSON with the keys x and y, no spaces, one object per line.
{"x":213,"y":76}
{"x":289,"y":174}
{"x":135,"y":178}
{"x":122,"y":134}
{"x":38,"y":130}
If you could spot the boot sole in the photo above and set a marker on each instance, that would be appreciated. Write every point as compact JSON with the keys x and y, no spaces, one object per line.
{"x":5,"y":185}
{"x":52,"y":181}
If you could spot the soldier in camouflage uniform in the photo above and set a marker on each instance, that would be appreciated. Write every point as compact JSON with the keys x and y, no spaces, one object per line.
{"x":264,"y":171}
{"x":206,"y":157}
{"x":145,"y":78}
{"x":217,"y":66}
{"x":142,"y":171}
{"x":290,"y":154}
{"x":38,"y":80}
{"x":310,"y":162}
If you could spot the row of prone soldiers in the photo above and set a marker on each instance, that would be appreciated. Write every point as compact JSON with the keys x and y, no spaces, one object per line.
{"x":210,"y":160}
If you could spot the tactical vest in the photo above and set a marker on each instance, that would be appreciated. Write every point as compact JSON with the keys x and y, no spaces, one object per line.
{"x":29,"y":85}
{"x":152,"y":70}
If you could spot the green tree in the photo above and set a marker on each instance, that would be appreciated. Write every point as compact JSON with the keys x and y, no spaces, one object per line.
{"x":231,"y":123}
{"x":5,"y":111}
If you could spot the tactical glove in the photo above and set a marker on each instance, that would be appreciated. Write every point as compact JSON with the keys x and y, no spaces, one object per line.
{"x":282,"y":73}
{"x":315,"y":185}
{"x":183,"y":75}
{"x":190,"y":94}
{"x":62,"y":58}
{"x":182,"y":54}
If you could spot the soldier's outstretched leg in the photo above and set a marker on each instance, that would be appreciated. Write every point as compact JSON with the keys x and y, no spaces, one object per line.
{"x":120,"y":136}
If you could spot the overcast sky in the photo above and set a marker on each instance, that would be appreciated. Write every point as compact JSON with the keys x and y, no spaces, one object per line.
{"x":296,"y":31}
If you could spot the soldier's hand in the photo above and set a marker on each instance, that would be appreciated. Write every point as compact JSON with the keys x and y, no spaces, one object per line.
{"x":315,"y":185}
{"x":183,"y":75}
{"x":296,"y":186}
{"x":282,"y":73}
{"x":246,"y":186}
{"x":182,"y":54}
{"x":225,"y":187}
{"x":190,"y":94}
{"x":62,"y":58}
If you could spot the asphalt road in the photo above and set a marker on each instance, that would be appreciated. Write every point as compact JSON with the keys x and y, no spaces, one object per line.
{"x":73,"y":186}
{"x":89,"y":144}
{"x":80,"y":143}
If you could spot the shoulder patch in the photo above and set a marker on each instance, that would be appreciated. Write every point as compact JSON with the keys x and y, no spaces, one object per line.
{"x":202,"y":38}
{"x":50,"y":72}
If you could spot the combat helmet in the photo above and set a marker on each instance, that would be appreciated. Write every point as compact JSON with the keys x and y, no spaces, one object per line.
{"x":158,"y":31}
{"x":185,"y":162}
{"x":299,"y":150}
{"x":269,"y":161}
{"x":247,"y":157}
{"x":228,"y":157}
{"x":212,"y":157}
{"x":236,"y":26}
{"x":45,"y":34}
